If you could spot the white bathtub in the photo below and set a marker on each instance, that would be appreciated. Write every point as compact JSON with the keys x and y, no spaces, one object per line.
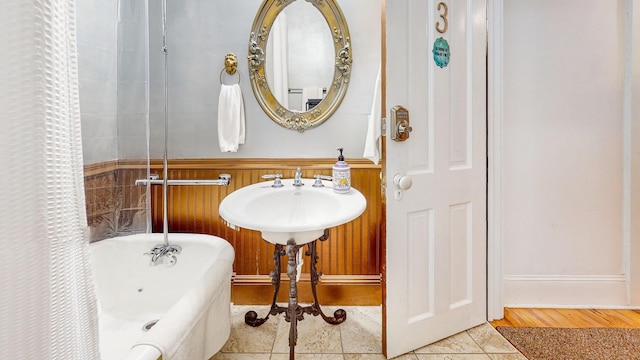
{"x":131,"y":293}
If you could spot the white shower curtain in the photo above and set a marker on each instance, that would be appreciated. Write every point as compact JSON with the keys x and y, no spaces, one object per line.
{"x":47,"y":302}
{"x":277,"y":60}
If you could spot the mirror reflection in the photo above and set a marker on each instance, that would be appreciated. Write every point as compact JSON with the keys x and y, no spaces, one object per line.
{"x":299,"y":66}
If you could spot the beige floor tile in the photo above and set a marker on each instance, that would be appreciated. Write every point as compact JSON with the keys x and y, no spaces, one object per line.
{"x":460,"y":343}
{"x":240,"y":356}
{"x":374,"y":312}
{"x":453,"y":357}
{"x":358,"y":338}
{"x":309,"y":357}
{"x":490,"y":339}
{"x":315,"y":336}
{"x":247,"y":339}
{"x":362,"y":331}
{"x":364,"y":357}
{"x":407,"y":356}
{"x":516,"y":356}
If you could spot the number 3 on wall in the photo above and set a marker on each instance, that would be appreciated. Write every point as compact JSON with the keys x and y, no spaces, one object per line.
{"x":445,"y":10}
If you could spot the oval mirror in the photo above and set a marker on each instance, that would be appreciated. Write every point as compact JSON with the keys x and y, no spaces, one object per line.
{"x":299,"y":75}
{"x":299,"y":64}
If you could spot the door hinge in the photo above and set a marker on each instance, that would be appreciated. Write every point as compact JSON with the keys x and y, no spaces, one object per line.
{"x":383,"y":126}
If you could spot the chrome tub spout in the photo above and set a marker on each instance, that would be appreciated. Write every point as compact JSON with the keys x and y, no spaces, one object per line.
{"x":164,"y":254}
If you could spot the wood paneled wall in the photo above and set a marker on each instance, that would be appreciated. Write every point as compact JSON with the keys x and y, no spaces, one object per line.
{"x":350,"y":260}
{"x":353,"y":249}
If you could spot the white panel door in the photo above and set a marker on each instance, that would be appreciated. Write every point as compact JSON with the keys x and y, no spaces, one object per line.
{"x":436,"y":230}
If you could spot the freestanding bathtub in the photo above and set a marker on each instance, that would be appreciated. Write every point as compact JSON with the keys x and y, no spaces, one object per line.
{"x":133,"y":295}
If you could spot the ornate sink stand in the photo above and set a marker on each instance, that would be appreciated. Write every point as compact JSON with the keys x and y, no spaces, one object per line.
{"x":294,"y":312}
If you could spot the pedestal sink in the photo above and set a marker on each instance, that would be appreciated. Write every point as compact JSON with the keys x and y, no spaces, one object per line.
{"x":292,"y":217}
{"x":298,"y":213}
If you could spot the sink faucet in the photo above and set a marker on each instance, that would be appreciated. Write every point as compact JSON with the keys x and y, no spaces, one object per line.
{"x":297,"y":178}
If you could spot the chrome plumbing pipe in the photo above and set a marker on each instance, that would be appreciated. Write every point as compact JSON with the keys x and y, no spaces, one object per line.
{"x":223,"y":181}
{"x":165,"y":165}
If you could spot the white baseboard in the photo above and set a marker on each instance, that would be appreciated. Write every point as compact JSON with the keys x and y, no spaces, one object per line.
{"x":565,"y":291}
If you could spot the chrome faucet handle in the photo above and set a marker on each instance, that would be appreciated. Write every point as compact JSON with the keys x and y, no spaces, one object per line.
{"x":158,"y":254}
{"x":297,"y":178}
{"x":319,"y":178}
{"x":160,"y":251}
{"x":276,"y":182}
{"x":174,"y":249}
{"x":164,"y":254}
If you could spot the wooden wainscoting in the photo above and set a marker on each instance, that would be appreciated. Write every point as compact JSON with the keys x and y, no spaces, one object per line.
{"x":350,"y":258}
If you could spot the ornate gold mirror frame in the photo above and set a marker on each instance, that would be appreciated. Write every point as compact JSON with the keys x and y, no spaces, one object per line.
{"x":290,"y":119}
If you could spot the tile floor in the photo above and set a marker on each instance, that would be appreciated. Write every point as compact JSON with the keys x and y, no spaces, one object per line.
{"x":358,"y":338}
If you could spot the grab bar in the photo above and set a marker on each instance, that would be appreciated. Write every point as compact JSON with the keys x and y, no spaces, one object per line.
{"x":223,"y":181}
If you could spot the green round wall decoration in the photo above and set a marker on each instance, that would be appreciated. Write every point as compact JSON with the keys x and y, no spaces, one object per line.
{"x":441,"y":52}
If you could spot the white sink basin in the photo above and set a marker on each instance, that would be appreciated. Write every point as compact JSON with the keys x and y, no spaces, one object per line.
{"x":298,"y":213}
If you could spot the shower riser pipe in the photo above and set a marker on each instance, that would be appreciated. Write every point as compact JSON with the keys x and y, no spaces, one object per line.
{"x":165,"y":166}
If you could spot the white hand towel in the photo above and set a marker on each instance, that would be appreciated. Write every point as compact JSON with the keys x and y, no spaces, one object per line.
{"x":277,"y":62}
{"x":372,"y":143}
{"x":231,"y":123}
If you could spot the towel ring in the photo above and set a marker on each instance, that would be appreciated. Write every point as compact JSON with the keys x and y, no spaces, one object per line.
{"x":230,"y":66}
{"x":222,"y":72}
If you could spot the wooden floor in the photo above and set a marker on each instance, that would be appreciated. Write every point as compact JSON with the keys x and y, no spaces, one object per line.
{"x":569,"y":318}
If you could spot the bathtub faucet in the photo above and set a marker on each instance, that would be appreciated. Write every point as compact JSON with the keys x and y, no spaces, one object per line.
{"x":164,"y":254}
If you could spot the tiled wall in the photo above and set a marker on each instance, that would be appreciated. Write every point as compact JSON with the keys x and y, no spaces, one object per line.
{"x":115,"y":206}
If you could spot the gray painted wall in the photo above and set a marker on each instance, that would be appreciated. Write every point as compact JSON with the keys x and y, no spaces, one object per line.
{"x":133,"y":108}
{"x":97,"y":62}
{"x":200,"y":33}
